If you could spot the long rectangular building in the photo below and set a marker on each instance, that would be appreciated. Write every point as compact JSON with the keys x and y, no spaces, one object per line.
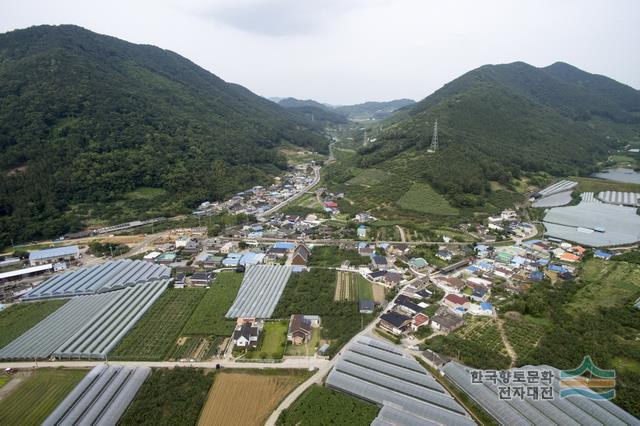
{"x":260,"y":291}
{"x":100,"y":398}
{"x":528,"y":411}
{"x":86,"y":326}
{"x":99,"y":279}
{"x":379,"y":373}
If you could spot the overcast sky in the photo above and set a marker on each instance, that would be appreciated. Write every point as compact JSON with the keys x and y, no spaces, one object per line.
{"x":349,"y":51}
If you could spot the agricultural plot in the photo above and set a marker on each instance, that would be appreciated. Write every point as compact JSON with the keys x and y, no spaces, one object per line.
{"x":18,"y":318}
{"x":169,"y":397}
{"x":423,"y":199}
{"x":379,"y":293}
{"x":346,"y":286}
{"x":365,"y":290}
{"x":35,"y":398}
{"x":319,"y":406}
{"x":523,"y":336}
{"x":208,"y":319}
{"x":196,"y":348}
{"x":243,"y":399}
{"x":155,"y":334}
{"x":484,"y":331}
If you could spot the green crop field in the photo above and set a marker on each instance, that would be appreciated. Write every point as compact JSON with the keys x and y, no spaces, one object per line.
{"x":319,"y":406}
{"x":422,"y":198}
{"x":272,"y":342}
{"x":155,"y":334}
{"x":208,"y":318}
{"x":369,"y":177}
{"x":170,"y":397}
{"x":598,"y":185}
{"x":608,"y":284}
{"x":523,"y":335}
{"x":477,"y":344}
{"x":20,"y":317}
{"x":365,"y":291}
{"x":35,"y":398}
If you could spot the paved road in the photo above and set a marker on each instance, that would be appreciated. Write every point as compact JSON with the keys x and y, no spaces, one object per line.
{"x":316,"y":179}
{"x":301,"y":362}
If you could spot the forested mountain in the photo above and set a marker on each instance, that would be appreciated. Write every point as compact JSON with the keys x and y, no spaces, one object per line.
{"x":86,"y":118}
{"x":499,"y":122}
{"x":313,"y":110}
{"x":373,"y":110}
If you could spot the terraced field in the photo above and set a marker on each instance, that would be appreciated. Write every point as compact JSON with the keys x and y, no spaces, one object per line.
{"x":38,"y":395}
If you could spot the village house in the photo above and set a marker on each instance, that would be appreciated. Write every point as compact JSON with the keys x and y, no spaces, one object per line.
{"x":394,"y":322}
{"x":301,"y":328}
{"x":446,"y":322}
{"x":392,"y":279}
{"x":361,"y":231}
{"x":449,"y":284}
{"x":301,"y":255}
{"x":246,"y":333}
{"x":456,"y":302}
{"x":419,"y":321}
{"x":366,"y":306}
{"x":179,"y":281}
{"x":379,"y":262}
{"x":200,"y":279}
{"x":445,"y":255}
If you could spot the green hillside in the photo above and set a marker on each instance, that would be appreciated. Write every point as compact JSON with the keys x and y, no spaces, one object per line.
{"x":87,"y":118}
{"x":313,"y":110}
{"x":502,"y":122}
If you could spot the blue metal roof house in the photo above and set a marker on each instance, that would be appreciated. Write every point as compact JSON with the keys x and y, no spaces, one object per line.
{"x":602,"y":254}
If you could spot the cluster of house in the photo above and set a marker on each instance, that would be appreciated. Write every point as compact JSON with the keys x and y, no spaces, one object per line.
{"x":247,"y":331}
{"x":260,"y":199}
{"x":382,"y":266}
{"x":329,"y":201}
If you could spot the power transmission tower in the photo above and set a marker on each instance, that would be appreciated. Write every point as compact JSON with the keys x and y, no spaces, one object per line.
{"x":434,"y":138}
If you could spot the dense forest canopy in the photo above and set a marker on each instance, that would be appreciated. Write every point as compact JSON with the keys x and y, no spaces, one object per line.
{"x":500,"y":121}
{"x":87,"y":118}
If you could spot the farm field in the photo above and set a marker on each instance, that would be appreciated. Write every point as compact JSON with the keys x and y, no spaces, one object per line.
{"x":197,"y":348}
{"x":38,"y":395}
{"x":155,"y":334}
{"x":247,"y":399}
{"x":319,"y":406}
{"x":608,"y":284}
{"x":346,"y":286}
{"x":597,"y":185}
{"x":365,"y":290}
{"x":379,"y":293}
{"x":18,"y":318}
{"x":477,"y":344}
{"x":422,"y":198}
{"x":169,"y":397}
{"x":328,"y":256}
{"x":523,"y":335}
{"x":208,"y":317}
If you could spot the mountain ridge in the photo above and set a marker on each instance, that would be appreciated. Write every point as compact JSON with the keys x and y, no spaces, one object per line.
{"x":87,"y":118}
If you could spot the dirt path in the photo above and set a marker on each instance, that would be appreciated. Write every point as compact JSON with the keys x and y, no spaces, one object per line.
{"x":512,"y":354}
{"x":401,"y":231}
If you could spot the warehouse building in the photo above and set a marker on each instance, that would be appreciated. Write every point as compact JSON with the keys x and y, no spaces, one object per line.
{"x":53,"y":255}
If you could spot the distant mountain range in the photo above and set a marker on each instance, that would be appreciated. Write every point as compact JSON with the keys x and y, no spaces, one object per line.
{"x":86,"y":119}
{"x":501,"y":122}
{"x":340,"y":113}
